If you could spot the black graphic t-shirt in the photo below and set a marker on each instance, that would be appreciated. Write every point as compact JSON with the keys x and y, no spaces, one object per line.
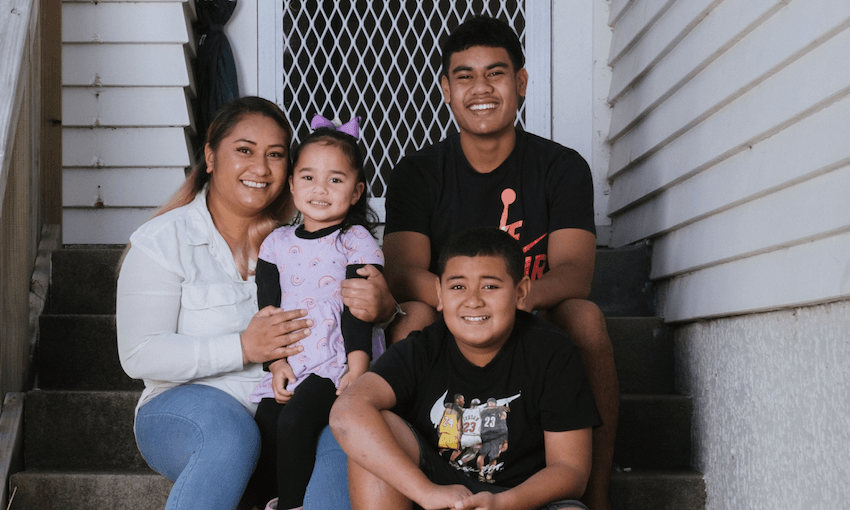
{"x":489,"y":421}
{"x":542,"y":187}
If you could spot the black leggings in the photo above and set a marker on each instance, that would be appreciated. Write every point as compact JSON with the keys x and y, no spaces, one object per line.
{"x":289,"y":434}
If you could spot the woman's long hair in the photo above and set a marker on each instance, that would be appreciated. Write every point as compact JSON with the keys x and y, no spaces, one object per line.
{"x":278,"y":212}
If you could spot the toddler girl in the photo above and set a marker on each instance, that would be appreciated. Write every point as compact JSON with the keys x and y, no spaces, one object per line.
{"x":302,"y":267}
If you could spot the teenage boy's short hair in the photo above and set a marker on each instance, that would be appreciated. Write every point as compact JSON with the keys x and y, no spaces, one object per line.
{"x":482,"y":30}
{"x":484,"y":242}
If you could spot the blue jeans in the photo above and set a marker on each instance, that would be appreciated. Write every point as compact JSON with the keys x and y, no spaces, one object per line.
{"x":328,"y":487}
{"x":204,"y":441}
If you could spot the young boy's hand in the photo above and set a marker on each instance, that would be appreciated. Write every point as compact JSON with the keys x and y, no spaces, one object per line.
{"x":281,"y":373}
{"x":358,"y":363}
{"x":481,"y":501}
{"x":445,"y":496}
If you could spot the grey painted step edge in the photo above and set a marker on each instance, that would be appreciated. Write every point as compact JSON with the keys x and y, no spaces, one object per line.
{"x":94,"y":430}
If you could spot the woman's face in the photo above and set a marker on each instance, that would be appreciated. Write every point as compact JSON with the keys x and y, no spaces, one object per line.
{"x":248,"y":169}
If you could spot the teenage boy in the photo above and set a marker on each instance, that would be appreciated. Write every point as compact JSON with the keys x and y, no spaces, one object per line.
{"x":539,"y":407}
{"x":491,"y":174}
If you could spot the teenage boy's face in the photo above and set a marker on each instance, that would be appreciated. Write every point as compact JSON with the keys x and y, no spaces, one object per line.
{"x":483,"y":89}
{"x":479,"y":300}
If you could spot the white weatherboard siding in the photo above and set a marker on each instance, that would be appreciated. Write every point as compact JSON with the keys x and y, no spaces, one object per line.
{"x":722,"y":165}
{"x":126,"y":113}
{"x":730,"y":138}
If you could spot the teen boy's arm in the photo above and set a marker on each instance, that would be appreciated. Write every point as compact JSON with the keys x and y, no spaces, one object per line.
{"x":361,"y":422}
{"x":408,"y":256}
{"x":564,"y":477}
{"x":571,"y":255}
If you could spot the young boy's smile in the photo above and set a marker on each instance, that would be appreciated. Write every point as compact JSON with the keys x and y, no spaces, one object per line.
{"x":479,"y":299}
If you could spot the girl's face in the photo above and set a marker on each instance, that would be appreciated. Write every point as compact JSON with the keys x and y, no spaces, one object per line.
{"x":248,"y":169}
{"x":324,"y":185}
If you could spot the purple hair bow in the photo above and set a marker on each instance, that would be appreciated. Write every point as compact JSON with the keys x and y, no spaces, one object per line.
{"x":352,"y":127}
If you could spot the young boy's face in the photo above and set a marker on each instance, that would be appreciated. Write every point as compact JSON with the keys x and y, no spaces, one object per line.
{"x":483,"y":89}
{"x":479,"y":300}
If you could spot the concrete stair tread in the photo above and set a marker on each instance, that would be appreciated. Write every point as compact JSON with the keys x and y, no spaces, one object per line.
{"x":658,"y":490}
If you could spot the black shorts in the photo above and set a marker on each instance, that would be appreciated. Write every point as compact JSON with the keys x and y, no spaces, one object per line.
{"x":441,"y":472}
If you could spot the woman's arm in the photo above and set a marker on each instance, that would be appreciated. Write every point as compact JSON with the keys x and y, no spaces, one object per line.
{"x":147,"y":311}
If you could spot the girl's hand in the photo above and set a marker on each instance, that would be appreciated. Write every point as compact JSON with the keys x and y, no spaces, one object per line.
{"x":281,"y":374}
{"x":358,"y":363}
{"x":271,"y":332}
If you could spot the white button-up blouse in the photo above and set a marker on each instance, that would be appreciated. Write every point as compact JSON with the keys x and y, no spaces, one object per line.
{"x":182,"y":306}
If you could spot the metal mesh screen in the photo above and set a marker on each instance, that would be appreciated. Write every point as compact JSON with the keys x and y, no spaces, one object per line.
{"x":378,"y":60}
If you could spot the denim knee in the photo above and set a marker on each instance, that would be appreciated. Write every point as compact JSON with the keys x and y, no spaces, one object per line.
{"x":202,"y":439}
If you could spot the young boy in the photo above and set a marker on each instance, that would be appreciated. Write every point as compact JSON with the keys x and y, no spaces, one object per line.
{"x":535,"y":423}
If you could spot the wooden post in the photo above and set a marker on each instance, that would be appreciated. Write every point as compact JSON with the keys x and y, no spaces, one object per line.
{"x":51,"y":111}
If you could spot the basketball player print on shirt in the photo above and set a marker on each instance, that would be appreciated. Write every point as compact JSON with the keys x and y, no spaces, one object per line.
{"x":534,"y":265}
{"x":472,"y":437}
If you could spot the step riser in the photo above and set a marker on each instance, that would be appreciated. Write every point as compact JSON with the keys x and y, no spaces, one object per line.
{"x":84,"y":282}
{"x":81,"y":430}
{"x":96,"y":431}
{"x":654,"y":432}
{"x":79,"y":352}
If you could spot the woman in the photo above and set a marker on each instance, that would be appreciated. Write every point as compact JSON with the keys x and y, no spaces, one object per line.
{"x":187,"y":315}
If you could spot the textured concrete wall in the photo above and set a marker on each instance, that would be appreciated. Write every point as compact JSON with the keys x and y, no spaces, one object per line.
{"x":771,"y":407}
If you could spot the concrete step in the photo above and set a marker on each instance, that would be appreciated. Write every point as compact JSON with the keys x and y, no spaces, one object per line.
{"x":87,"y":490}
{"x":654,"y":432}
{"x":643,"y":354}
{"x":80,"y":352}
{"x":81,"y":430}
{"x":621,"y":285}
{"x":146,"y":490}
{"x":83,"y":280}
{"x":658,"y":490}
{"x":94,"y":430}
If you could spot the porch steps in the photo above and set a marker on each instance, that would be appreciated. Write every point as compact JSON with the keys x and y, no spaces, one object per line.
{"x":79,"y":447}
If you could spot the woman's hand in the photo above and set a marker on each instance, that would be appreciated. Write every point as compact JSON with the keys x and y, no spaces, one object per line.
{"x":281,"y":374}
{"x":271,"y":332}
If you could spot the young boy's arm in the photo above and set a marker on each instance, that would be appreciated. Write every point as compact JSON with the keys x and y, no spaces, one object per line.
{"x":358,"y":422}
{"x":564,"y":477}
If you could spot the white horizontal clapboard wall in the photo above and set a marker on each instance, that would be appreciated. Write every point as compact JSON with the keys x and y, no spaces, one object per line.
{"x":730,"y":141}
{"x":126,"y":75}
